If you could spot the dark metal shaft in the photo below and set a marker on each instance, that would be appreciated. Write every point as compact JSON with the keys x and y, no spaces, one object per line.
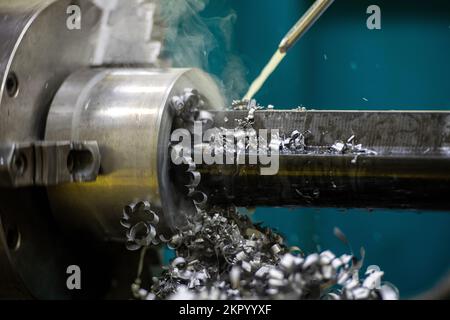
{"x":411,"y":167}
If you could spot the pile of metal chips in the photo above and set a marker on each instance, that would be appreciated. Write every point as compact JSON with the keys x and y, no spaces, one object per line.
{"x":223,"y":255}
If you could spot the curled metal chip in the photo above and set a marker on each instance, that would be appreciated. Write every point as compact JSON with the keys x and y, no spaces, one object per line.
{"x":139,"y":220}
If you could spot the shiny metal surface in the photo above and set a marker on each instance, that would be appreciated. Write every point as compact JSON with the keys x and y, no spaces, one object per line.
{"x":38,"y":49}
{"x":409,"y":167}
{"x":127,"y":112}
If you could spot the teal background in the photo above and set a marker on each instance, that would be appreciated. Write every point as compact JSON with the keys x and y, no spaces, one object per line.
{"x":340,"y":64}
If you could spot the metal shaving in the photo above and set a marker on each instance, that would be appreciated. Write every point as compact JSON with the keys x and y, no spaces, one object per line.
{"x":226,"y":256}
{"x":349,"y":147}
{"x":295,"y":142}
{"x":251,"y":106}
{"x":140,"y":222}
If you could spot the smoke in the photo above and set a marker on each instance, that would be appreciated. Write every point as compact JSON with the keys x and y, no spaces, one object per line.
{"x":193,"y":40}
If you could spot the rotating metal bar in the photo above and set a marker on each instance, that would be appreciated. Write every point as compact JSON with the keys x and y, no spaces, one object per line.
{"x":408,"y":166}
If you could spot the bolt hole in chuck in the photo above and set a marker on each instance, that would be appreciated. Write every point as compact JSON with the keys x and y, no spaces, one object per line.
{"x":19,"y":164}
{"x":12,"y":85}
{"x":79,"y":161}
{"x":13,"y":238}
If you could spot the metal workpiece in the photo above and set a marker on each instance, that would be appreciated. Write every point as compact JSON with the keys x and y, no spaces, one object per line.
{"x":129,"y":113}
{"x":402,"y":158}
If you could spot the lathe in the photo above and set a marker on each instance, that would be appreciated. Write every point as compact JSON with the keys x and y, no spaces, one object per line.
{"x":85,"y":131}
